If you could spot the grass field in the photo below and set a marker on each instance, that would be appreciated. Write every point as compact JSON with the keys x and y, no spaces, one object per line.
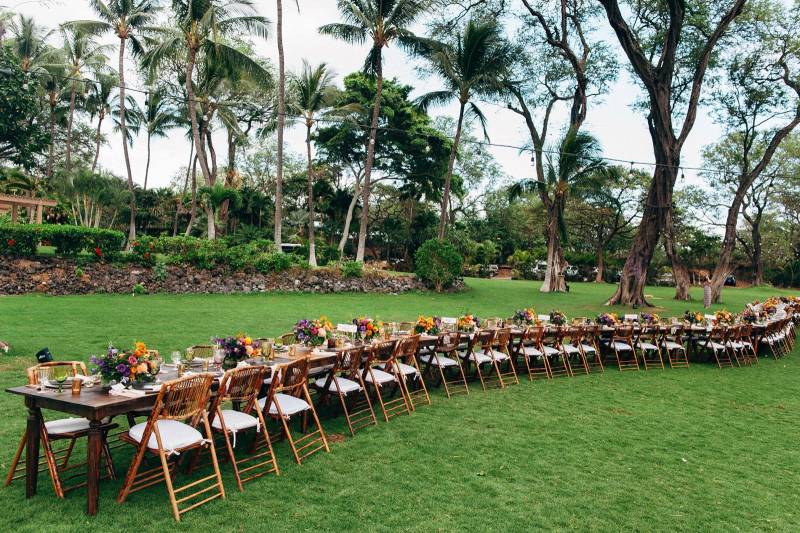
{"x":696,"y":449}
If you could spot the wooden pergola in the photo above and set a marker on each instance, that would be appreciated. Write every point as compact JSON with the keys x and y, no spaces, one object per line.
{"x":10,"y":202}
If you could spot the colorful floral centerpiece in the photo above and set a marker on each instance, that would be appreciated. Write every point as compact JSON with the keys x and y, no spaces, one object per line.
{"x":468,"y":323}
{"x":650,"y":318}
{"x":770,"y":308}
{"x":693,"y":318}
{"x":525,"y":316}
{"x":129,"y":367}
{"x":723,"y":317}
{"x":313,"y":332}
{"x":237,"y":348}
{"x":749,"y":316}
{"x":557,"y":318}
{"x":367,"y":328}
{"x":607,"y":319}
{"x":428,"y":324}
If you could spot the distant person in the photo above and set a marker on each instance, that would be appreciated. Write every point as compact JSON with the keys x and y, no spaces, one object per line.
{"x":707,"y":293}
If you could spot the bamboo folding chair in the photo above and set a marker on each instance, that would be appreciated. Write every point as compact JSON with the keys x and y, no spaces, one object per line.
{"x":532,"y":351}
{"x":475,"y":354}
{"x":55,"y":459}
{"x":240,"y":386}
{"x":286,"y":339}
{"x":673,"y":345}
{"x":171,"y":430}
{"x":735,"y":347}
{"x":648,"y":341}
{"x":745,"y":340}
{"x":288,"y":396}
{"x":716,"y":343}
{"x":382,"y":373}
{"x":412,"y":374}
{"x":591,"y":347}
{"x":572,"y":347}
{"x":554,"y":356}
{"x":624,"y":348}
{"x":445,"y":358}
{"x":501,"y":353}
{"x":200,"y":351}
{"x":346,"y":381}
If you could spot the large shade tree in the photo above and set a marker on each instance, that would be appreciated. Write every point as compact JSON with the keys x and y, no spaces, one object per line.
{"x":379,"y":22}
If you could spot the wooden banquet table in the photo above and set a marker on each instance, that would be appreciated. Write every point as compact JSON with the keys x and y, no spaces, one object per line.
{"x":97,"y":406}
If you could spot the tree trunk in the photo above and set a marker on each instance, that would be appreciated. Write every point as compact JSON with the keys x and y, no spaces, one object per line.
{"x":51,"y":152}
{"x":449,"y":177}
{"x":72,"y":92}
{"x":373,"y":132}
{"x":124,"y":130}
{"x":147,"y":166}
{"x":758,"y":266}
{"x":281,"y":125}
{"x":100,"y":117}
{"x":312,"y":246}
{"x":601,"y":265}
{"x":679,"y":271}
{"x":179,"y":205}
{"x":230,"y":173}
{"x":348,"y":218}
{"x":554,"y":279}
{"x":198,"y":143}
{"x":193,"y":208}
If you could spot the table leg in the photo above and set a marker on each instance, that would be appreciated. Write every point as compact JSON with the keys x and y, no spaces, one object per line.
{"x":93,"y":458}
{"x":32,"y":450}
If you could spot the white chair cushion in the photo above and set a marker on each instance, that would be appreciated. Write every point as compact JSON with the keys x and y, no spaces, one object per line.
{"x":588,"y":349}
{"x":66,"y":425}
{"x":530,"y":351}
{"x":345,"y":385}
{"x":648,"y":346}
{"x":235,"y":420}
{"x":569,"y":348}
{"x":717,"y":346}
{"x":549,"y":350}
{"x":674,"y":346}
{"x":621,"y":346}
{"x":289,"y":404}
{"x":407,"y":370}
{"x":440,"y":361}
{"x":499,"y":356}
{"x":480,"y":358}
{"x":379,"y":376}
{"x":174,"y":435}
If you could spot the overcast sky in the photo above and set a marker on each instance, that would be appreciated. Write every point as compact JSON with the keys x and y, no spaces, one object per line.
{"x":622,"y":132}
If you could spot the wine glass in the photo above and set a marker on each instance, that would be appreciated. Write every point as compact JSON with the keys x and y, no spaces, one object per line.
{"x":176,"y":357}
{"x":44,"y":378}
{"x":60,"y":375}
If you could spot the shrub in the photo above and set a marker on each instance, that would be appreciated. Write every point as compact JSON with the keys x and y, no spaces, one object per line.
{"x":143,"y":250}
{"x":160,"y":271}
{"x":438,"y":264}
{"x":68,"y":240}
{"x":23,"y":239}
{"x":18,"y":240}
{"x":273,"y":262}
{"x":138,"y":290}
{"x":352,"y":269}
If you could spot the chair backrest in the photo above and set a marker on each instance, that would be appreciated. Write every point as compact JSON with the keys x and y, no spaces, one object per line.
{"x":623,"y":332}
{"x":718,"y":334}
{"x":384,"y":351}
{"x":574,"y":334}
{"x":76,"y":367}
{"x":408,"y":346}
{"x":241,"y":385}
{"x":287,"y":338}
{"x":745,"y":331}
{"x":183,"y":398}
{"x":534,"y":335}
{"x":502,"y":337}
{"x":448,"y":342}
{"x":348,"y":362}
{"x":202,"y":351}
{"x":292,"y":378}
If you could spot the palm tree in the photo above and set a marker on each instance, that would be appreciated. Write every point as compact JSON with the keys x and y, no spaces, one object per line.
{"x":472,"y":65}
{"x":53,"y":79}
{"x":578,"y":169}
{"x":313,"y":91}
{"x":82,"y":53}
{"x":126,"y":19}
{"x":200,"y":27}
{"x":29,"y":43}
{"x":159,"y":117}
{"x":382,"y":22}
{"x":99,"y":103}
{"x":134,"y":117}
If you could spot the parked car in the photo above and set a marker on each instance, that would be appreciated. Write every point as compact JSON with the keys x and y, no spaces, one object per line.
{"x":571,"y":271}
{"x":730,"y":281}
{"x":665,"y":280}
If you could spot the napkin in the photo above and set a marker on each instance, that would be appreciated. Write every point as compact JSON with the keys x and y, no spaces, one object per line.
{"x":120,"y":390}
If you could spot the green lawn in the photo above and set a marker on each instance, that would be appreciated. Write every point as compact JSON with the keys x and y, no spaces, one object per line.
{"x":696,"y":449}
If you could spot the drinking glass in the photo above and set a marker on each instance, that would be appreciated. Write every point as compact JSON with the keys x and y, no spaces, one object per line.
{"x":60,"y":375}
{"x":176,"y":357}
{"x":44,"y":378}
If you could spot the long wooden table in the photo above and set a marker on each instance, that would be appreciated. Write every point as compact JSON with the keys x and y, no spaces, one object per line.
{"x":96,"y":405}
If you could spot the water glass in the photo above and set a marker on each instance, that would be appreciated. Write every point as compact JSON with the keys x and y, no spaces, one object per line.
{"x":176,"y":357}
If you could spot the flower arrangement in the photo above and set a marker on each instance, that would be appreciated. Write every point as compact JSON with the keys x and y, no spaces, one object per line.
{"x":237,"y":348}
{"x":468,"y":323}
{"x":607,"y":319}
{"x":525,"y":316}
{"x":557,"y":318}
{"x":428,"y":324}
{"x":367,"y":328}
{"x":313,"y":332}
{"x":723,"y":317}
{"x":749,"y":316}
{"x":650,"y":318}
{"x":770,"y":308}
{"x":693,"y":318}
{"x":126,"y":367}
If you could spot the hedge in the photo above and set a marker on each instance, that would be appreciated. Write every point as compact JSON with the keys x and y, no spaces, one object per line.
{"x":23,"y":239}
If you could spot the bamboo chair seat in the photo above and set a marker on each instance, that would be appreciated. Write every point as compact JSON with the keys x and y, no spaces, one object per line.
{"x":407,"y":370}
{"x":66,"y":426}
{"x":289,"y":405}
{"x":621,"y":346}
{"x":379,"y":377}
{"x":175,"y":436}
{"x":235,"y":421}
{"x":441,"y":360}
{"x":345,"y":385}
{"x":532,"y":351}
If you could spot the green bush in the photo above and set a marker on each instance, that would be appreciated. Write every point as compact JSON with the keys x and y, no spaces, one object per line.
{"x":273,"y":262}
{"x":23,"y":239}
{"x":352,"y":269}
{"x":143,"y":250}
{"x":438,"y":264}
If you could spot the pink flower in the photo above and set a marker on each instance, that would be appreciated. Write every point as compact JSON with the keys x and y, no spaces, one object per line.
{"x":132,"y":360}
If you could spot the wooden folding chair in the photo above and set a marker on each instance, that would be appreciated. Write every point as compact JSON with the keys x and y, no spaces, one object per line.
{"x":624,"y":348}
{"x":287,"y":338}
{"x":554,"y":356}
{"x":572,"y":347}
{"x":445,"y":358}
{"x":171,"y":430}
{"x":346,"y":381}
{"x":288,"y":396}
{"x":591,"y":347}
{"x":745,"y":339}
{"x":240,"y":386}
{"x":716,"y":343}
{"x":382,"y":374}
{"x":672,"y":342}
{"x":56,"y":459}
{"x":532,"y":350}
{"x":416,"y":390}
{"x":648,"y":341}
